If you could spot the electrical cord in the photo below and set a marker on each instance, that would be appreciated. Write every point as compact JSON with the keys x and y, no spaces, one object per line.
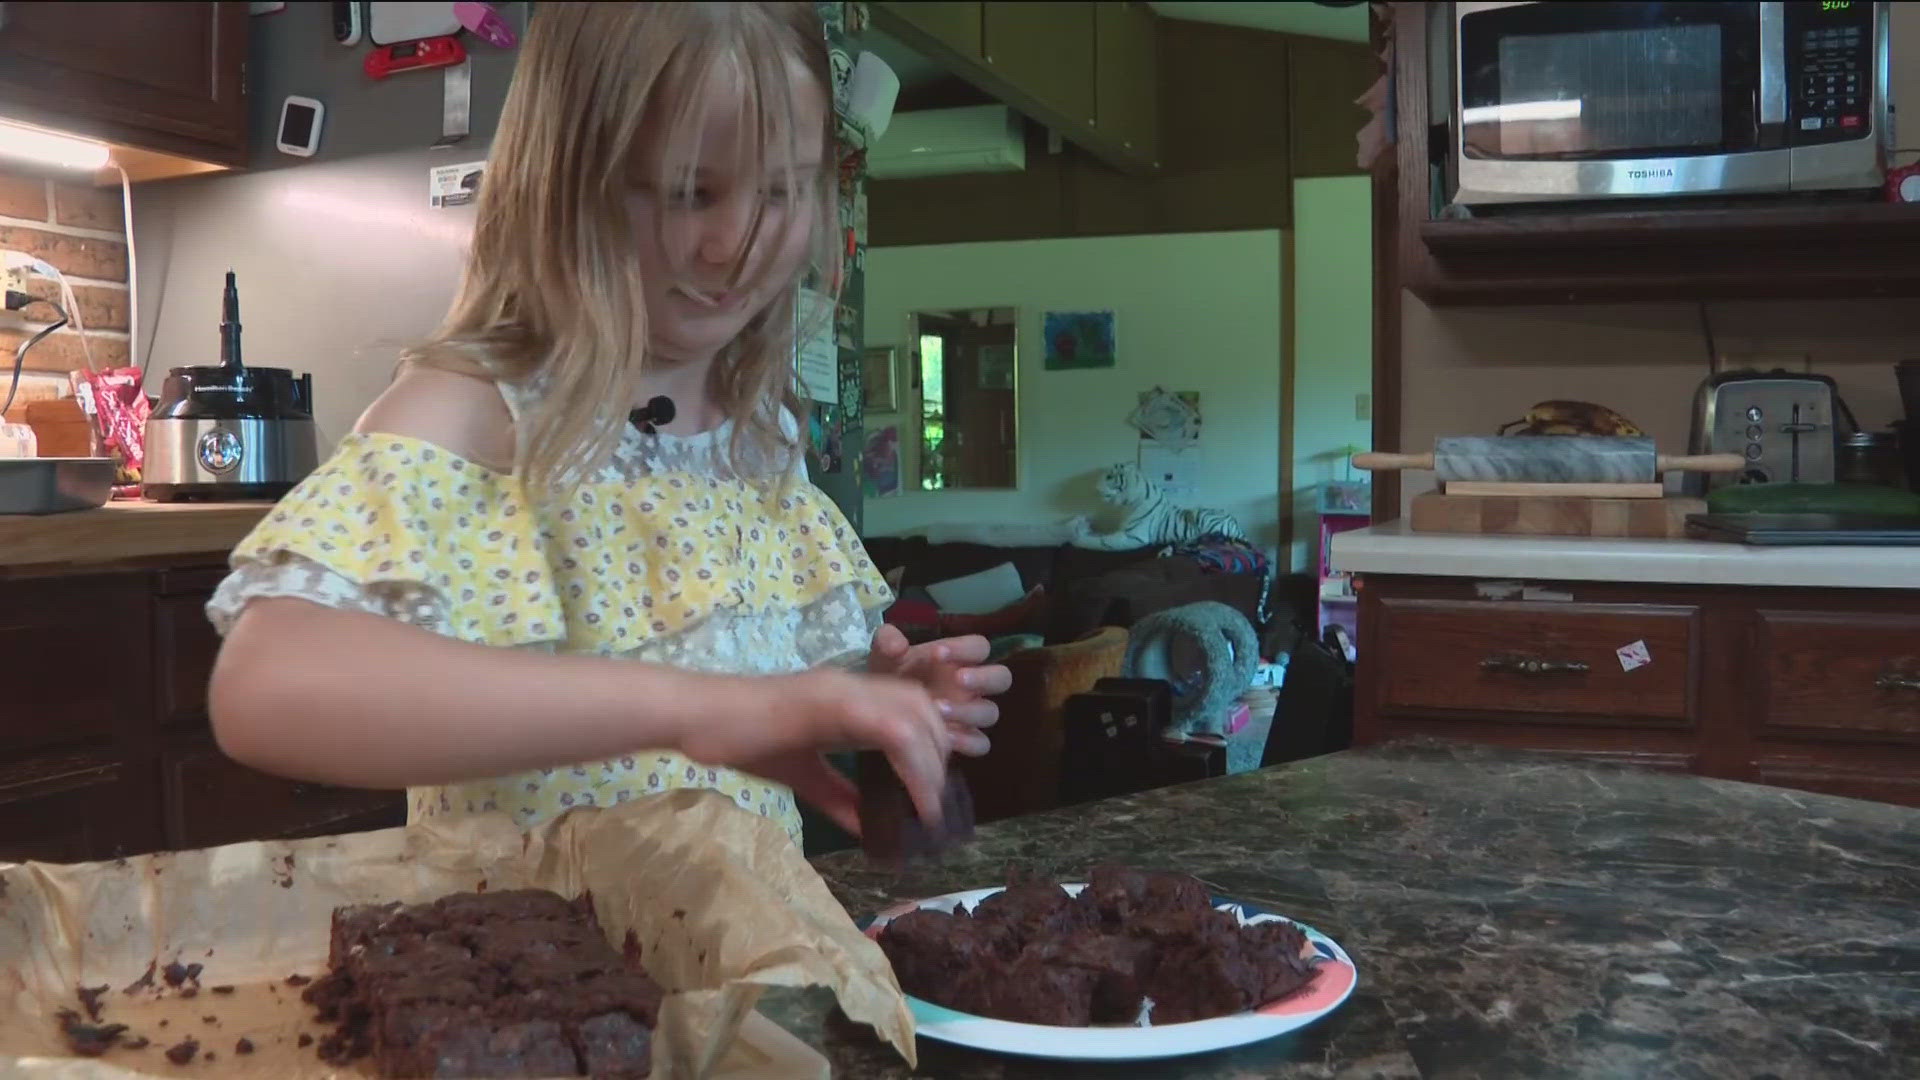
{"x":135,"y":355}
{"x":20,"y":354}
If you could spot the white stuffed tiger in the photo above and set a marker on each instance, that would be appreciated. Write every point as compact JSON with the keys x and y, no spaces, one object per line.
{"x":1152,"y":520}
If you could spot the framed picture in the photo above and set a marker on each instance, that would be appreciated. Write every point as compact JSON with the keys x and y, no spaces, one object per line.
{"x":882,"y":390}
{"x":996,"y":367}
{"x":1078,"y":339}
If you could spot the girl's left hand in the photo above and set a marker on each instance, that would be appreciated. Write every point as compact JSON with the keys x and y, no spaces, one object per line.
{"x":954,"y":671}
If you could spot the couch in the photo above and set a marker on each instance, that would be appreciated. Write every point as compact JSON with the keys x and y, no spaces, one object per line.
{"x":1085,"y":589}
{"x":1090,"y":599}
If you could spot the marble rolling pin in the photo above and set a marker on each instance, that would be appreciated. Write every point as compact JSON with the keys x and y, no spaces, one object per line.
{"x":1549,"y":459}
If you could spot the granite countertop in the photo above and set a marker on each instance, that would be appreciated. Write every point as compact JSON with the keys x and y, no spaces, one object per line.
{"x":1512,"y":914}
{"x":1394,"y":548}
{"x":126,"y":529}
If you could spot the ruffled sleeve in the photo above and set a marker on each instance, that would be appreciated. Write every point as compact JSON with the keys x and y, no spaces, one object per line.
{"x":403,"y":528}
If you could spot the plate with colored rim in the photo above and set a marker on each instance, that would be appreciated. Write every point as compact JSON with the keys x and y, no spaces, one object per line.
{"x":1330,"y":988}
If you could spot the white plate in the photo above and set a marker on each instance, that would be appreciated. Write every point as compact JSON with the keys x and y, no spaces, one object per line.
{"x":1330,"y":988}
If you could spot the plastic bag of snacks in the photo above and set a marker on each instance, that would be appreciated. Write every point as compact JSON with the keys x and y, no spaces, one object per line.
{"x":117,"y":400}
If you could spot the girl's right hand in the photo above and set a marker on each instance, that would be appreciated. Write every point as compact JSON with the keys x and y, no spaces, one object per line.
{"x":804,"y":714}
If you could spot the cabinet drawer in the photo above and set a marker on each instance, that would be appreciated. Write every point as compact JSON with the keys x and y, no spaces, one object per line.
{"x":1841,"y":673}
{"x":1551,"y":660}
{"x":74,"y":808}
{"x":74,"y":654}
{"x":184,"y":644}
{"x":212,"y":799}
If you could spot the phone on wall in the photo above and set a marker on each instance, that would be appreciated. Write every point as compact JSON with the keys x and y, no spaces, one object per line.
{"x":299,"y":130}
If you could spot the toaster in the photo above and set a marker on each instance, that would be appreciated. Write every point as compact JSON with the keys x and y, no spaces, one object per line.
{"x":1782,"y":422}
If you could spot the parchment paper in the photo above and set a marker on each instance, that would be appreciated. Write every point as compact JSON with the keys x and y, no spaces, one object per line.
{"x":720,"y":900}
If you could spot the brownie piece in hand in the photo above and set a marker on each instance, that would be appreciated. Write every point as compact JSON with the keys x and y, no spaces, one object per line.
{"x":890,"y":829}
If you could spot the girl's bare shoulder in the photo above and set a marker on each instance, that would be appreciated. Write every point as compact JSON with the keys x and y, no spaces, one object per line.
{"x":463,"y":414}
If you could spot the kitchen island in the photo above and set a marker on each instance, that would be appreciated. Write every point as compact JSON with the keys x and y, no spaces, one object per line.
{"x":1511,"y":913}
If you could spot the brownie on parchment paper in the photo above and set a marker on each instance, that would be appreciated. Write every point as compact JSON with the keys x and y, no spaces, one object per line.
{"x":519,"y":983}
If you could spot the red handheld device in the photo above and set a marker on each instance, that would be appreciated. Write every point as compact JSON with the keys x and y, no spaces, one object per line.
{"x":410,"y":55}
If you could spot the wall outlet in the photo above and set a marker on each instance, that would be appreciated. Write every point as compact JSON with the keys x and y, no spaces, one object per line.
{"x":1363,"y":406}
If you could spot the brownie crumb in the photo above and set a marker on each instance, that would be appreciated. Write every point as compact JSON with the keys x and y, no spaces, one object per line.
{"x":298,"y":980}
{"x":138,"y":1042}
{"x":189,"y":991}
{"x":209,"y":1019}
{"x":174,"y":973}
{"x":223,"y":989}
{"x":244,"y":1046}
{"x":164,"y":1021}
{"x":88,"y":1040}
{"x":144,"y":982}
{"x":305,"y":1040}
{"x":182,"y":1052}
{"x":90,"y":1000}
{"x":211,"y":1056}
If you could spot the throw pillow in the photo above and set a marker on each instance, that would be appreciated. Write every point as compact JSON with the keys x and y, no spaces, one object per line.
{"x":1023,"y":616}
{"x":979,"y":594}
{"x":918,"y":619}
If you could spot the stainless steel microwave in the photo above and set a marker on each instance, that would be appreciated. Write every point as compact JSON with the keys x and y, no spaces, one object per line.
{"x":1568,"y":101}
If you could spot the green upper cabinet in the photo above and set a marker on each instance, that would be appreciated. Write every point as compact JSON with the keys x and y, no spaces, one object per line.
{"x":1325,"y":81}
{"x":956,"y":26}
{"x":1126,"y":68}
{"x":1046,"y":50}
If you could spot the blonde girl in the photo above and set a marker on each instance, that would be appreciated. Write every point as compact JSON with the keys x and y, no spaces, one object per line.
{"x":503,"y":596}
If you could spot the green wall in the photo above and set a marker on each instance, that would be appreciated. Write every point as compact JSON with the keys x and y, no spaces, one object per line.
{"x":1332,"y":339}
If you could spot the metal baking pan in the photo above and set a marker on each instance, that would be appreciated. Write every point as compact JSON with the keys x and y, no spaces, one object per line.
{"x":55,"y":485}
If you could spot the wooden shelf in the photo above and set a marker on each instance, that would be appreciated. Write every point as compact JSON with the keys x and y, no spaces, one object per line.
{"x":1823,"y":223}
{"x":1806,"y":250}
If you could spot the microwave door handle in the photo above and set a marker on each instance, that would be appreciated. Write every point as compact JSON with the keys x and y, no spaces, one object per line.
{"x":1773,"y":63}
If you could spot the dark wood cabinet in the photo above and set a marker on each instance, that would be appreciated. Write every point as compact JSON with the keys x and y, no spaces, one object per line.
{"x":1126,"y":77}
{"x":1324,"y":82}
{"x":211,"y":799}
{"x":956,"y":26}
{"x":1817,"y":689}
{"x":166,"y":77}
{"x":75,"y":653}
{"x":77,"y":806}
{"x":105,"y":748}
{"x":1046,"y":49}
{"x":1530,"y":660}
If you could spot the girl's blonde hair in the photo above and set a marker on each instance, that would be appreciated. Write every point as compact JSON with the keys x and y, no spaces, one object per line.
{"x":552,"y":287}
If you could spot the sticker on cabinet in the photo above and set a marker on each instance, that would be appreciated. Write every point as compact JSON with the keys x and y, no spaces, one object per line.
{"x":1633,"y":656}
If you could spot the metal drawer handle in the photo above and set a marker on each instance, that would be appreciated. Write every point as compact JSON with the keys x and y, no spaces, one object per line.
{"x":1515,"y":664}
{"x":1895,"y":681}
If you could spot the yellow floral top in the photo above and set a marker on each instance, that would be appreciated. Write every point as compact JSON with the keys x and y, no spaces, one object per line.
{"x":667,"y":554}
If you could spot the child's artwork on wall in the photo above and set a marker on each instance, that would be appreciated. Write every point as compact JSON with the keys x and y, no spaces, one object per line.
{"x":880,"y":463}
{"x":1078,"y":339}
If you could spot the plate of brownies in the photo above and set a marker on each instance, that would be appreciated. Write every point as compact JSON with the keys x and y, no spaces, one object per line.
{"x":1131,"y":965}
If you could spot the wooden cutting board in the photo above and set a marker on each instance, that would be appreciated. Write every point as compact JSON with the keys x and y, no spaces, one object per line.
{"x":1556,"y":515}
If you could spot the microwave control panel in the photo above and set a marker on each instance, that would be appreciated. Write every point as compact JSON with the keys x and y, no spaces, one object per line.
{"x":1830,"y":70}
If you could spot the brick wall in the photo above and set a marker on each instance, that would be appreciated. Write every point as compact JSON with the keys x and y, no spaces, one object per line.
{"x":79,"y":229}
